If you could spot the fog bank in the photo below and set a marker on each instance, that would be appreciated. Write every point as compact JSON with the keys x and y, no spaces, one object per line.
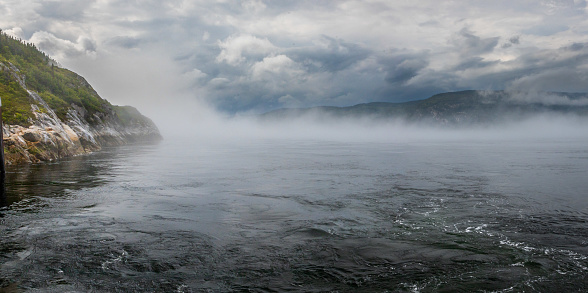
{"x":199,"y":122}
{"x":164,"y":91}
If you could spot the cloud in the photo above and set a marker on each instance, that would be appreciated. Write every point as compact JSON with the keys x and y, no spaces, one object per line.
{"x":16,"y":32}
{"x":546,"y":29}
{"x":236,"y":49}
{"x":562,"y":69}
{"x":62,"y":49}
{"x":289,"y":101}
{"x":125,"y":42}
{"x":219,"y":82}
{"x":253,"y":6}
{"x":72,"y":10}
{"x":552,"y":7}
{"x":474,"y":63}
{"x":577,"y":47}
{"x":405,"y":70}
{"x":259,"y":55}
{"x":329,"y":54}
{"x":470,"y":44}
{"x":556,"y":79}
{"x":513,"y":41}
{"x":195,"y":74}
{"x":279,"y":66}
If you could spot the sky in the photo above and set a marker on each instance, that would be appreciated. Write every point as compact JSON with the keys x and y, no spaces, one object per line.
{"x":257,"y":55}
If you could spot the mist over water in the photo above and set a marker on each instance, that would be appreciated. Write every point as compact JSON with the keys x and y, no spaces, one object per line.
{"x":200,"y":121}
{"x":307,"y":205}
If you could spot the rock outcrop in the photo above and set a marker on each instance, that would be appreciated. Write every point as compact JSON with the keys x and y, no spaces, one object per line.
{"x":49,"y":138}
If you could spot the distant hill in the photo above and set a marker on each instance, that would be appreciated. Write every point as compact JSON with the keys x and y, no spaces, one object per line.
{"x":453,"y":108}
{"x":50,"y":112}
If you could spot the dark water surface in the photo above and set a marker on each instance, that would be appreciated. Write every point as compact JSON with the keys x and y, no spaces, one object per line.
{"x":294,"y":216}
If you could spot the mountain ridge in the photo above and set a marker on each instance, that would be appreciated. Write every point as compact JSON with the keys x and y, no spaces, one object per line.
{"x":453,"y":108}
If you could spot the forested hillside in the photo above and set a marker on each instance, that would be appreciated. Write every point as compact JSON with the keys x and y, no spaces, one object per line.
{"x":51,"y":112}
{"x":59,"y":87}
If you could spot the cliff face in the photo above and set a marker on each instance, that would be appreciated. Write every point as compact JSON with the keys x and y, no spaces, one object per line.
{"x":49,"y":138}
{"x":50,"y":112}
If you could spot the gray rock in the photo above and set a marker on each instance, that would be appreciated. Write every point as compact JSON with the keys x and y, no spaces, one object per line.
{"x":32,"y":136}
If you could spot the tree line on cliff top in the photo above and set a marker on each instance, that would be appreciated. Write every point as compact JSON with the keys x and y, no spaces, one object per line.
{"x":60,"y":88}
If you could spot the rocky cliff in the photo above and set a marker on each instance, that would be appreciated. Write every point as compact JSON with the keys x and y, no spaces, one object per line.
{"x":49,"y":138}
{"x":50,"y":112}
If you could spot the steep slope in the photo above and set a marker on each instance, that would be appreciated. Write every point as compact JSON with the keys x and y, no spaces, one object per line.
{"x":455,"y":108}
{"x":50,"y":112}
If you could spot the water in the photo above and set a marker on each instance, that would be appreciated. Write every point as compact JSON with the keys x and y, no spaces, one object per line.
{"x":301,"y":216}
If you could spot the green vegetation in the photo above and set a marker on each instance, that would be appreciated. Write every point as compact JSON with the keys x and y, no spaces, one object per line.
{"x":59,"y":87}
{"x":129,"y":116}
{"x":126,"y":114}
{"x":16,"y":103}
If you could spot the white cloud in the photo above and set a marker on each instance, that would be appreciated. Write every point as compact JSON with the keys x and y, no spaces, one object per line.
{"x":63,"y":49}
{"x":273,"y":67}
{"x":235,"y":49}
{"x":254,"y":6}
{"x":195,"y":74}
{"x":16,"y":32}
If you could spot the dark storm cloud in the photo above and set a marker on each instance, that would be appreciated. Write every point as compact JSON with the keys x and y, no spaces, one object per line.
{"x":512,"y":42}
{"x":554,"y":80}
{"x":404,"y":75}
{"x":561,"y":69}
{"x":469,"y":44}
{"x":515,"y":40}
{"x":576,"y":47}
{"x":572,"y":56}
{"x":474,"y":62}
{"x":334,"y":55}
{"x":401,"y":69}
